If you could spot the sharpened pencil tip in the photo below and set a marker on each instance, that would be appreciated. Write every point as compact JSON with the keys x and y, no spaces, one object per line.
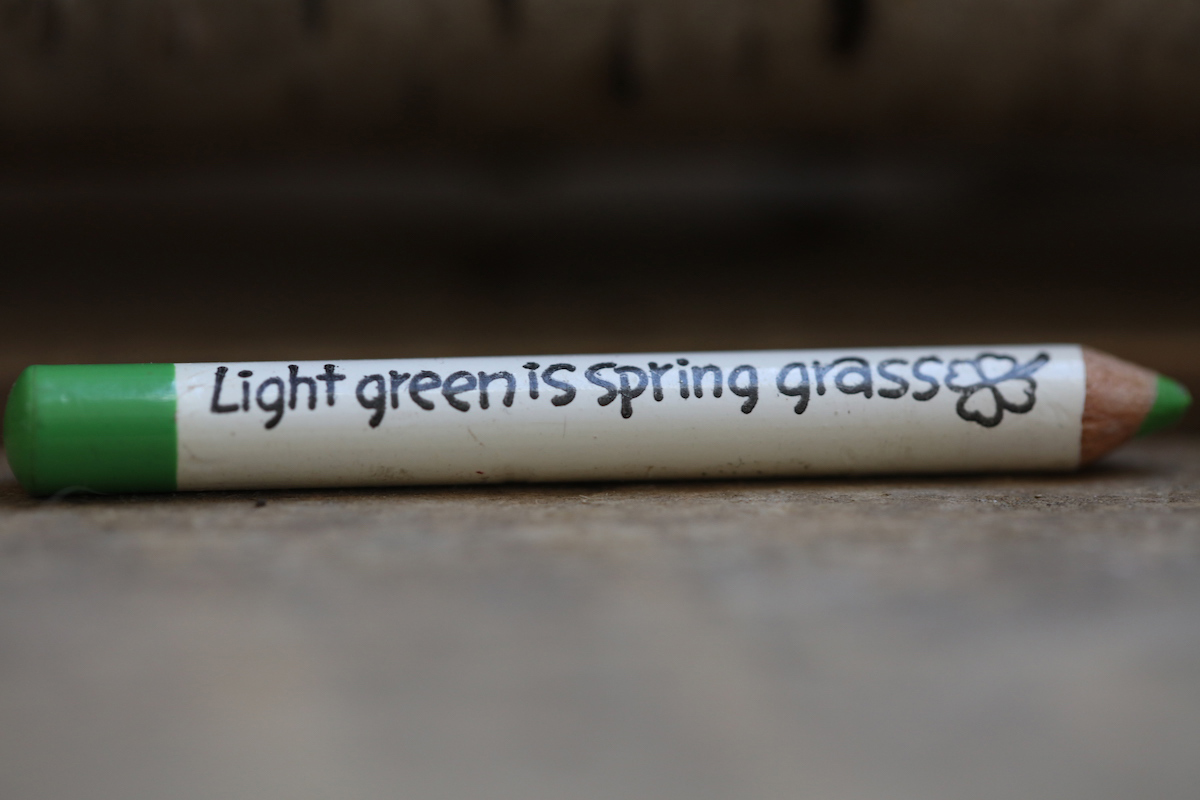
{"x":1171,"y":402}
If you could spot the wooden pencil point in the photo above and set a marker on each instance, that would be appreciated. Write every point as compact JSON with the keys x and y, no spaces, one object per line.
{"x":1119,"y":396}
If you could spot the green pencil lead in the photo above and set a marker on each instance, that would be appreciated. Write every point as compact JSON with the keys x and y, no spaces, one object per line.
{"x":1171,"y":402}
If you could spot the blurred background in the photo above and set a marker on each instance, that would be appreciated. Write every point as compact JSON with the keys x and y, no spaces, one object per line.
{"x":197,"y":180}
{"x":207,"y":180}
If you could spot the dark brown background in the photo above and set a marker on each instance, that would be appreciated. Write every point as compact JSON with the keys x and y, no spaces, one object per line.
{"x":575,"y":251}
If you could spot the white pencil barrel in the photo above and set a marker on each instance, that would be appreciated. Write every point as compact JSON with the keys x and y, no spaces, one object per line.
{"x":628,"y":416}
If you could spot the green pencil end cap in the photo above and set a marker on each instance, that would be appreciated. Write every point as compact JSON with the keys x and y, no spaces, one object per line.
{"x":1171,"y":402}
{"x":98,"y":428}
{"x":20,"y":430}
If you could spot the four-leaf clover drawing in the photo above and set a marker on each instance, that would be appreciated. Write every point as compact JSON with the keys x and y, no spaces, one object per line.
{"x":991,"y":384}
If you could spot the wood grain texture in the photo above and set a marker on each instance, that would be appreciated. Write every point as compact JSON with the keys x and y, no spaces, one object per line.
{"x":1119,"y":395}
{"x":998,"y":637}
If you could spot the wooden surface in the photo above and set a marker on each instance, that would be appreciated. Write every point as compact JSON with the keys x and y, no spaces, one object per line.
{"x":982,"y":637}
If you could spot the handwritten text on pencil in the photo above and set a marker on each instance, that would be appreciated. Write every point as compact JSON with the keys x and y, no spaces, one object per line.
{"x":987,"y":386}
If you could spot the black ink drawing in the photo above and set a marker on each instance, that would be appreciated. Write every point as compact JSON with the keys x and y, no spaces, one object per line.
{"x":991,"y":384}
